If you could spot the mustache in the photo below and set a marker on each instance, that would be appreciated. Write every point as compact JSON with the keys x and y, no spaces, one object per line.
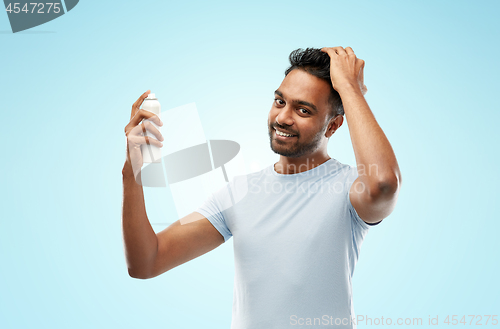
{"x":275,"y":125}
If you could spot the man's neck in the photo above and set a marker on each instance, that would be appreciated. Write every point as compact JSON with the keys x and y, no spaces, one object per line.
{"x":287,"y":166}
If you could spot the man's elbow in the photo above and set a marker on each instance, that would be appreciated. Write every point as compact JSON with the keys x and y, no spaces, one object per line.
{"x":387,"y":186}
{"x":138,"y":274}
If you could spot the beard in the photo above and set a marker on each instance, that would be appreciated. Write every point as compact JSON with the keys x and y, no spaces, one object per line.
{"x":296,"y":147}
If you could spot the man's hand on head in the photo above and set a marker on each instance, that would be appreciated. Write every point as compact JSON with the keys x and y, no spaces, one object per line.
{"x":346,"y":70}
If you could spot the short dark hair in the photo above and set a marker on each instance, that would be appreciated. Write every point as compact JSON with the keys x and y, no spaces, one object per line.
{"x":317,"y":63}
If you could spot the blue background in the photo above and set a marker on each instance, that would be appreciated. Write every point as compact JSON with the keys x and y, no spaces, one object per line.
{"x":67,"y":88}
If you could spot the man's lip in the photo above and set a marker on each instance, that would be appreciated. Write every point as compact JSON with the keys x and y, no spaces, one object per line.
{"x":285,"y":132}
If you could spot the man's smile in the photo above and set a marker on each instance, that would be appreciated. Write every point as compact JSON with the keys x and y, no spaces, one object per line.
{"x":282,"y":134}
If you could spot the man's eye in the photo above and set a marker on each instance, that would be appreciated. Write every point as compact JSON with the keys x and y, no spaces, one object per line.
{"x":279,"y":101}
{"x":304,"y":111}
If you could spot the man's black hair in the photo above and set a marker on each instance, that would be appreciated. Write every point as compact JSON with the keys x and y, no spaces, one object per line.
{"x":317,"y":63}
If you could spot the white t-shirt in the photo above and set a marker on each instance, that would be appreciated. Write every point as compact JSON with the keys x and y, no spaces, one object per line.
{"x":296,"y":242}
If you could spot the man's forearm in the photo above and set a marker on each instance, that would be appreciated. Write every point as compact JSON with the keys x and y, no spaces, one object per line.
{"x":141,"y":243}
{"x":377,"y":165}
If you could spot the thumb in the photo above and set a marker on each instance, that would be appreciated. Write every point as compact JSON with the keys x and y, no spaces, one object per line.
{"x":361,"y":73}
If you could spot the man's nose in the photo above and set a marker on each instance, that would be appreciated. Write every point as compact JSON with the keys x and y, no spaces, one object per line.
{"x":285,"y":117}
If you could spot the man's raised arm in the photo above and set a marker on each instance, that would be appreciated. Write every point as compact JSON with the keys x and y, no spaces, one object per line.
{"x":374,"y":193}
{"x":149,"y":254}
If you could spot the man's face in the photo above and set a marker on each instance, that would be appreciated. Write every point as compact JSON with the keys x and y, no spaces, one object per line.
{"x":301,"y":109}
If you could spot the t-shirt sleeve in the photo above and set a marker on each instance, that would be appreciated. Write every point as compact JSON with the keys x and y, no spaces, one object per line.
{"x":352,"y":174}
{"x":214,"y":210}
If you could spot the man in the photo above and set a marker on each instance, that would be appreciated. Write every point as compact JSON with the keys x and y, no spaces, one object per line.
{"x":297,"y":225}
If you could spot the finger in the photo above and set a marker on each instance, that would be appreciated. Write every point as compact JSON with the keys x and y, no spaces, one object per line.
{"x":361,"y":75}
{"x":133,"y":130}
{"x":141,"y":99}
{"x":140,"y":129}
{"x":139,"y":102}
{"x":140,"y":140}
{"x":329,"y":50}
{"x":146,"y":125}
{"x":349,"y":51}
{"x":339,"y":51}
{"x":142,"y":114}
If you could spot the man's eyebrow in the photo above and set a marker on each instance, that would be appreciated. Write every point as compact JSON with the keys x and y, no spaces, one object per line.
{"x":299,"y":102}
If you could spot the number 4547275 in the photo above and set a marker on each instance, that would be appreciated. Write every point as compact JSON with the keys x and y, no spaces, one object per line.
{"x":474,"y":320}
{"x":34,"y":8}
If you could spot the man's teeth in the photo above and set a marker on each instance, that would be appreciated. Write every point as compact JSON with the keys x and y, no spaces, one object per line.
{"x":282,"y":134}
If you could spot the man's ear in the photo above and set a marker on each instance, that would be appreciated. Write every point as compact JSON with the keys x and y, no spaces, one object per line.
{"x":333,"y":125}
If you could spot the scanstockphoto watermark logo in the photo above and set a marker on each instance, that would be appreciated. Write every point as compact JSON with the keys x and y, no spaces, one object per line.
{"x":24,"y":15}
{"x":429,"y":320}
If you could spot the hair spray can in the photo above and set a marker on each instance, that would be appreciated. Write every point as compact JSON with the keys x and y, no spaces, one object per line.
{"x":151,"y":153}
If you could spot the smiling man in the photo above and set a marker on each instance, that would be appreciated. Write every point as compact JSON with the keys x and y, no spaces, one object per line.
{"x":297,"y":225}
